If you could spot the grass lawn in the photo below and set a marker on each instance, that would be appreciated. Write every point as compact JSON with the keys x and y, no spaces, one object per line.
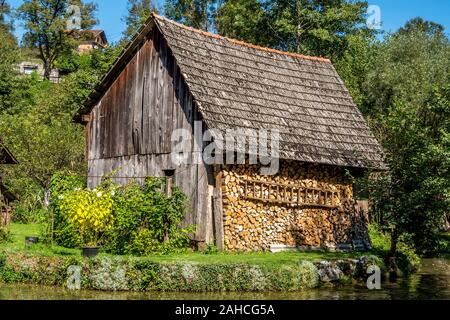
{"x":19,"y":232}
{"x":17,"y":243}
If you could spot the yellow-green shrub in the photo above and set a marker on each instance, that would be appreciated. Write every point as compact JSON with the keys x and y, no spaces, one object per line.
{"x":90,"y":212}
{"x":137,"y":219}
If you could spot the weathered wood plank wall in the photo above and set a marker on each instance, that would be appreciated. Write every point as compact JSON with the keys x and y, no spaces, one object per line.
{"x":130,"y":130}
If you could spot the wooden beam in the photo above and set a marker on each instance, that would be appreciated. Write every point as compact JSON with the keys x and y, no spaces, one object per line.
{"x":218,"y":219}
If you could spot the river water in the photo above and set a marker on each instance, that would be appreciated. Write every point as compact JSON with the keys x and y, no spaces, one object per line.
{"x":431,"y":282}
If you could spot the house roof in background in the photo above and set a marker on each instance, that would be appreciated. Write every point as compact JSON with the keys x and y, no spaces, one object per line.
{"x":89,"y":35}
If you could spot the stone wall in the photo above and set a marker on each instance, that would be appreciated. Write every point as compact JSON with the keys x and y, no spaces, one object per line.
{"x":252,"y":224}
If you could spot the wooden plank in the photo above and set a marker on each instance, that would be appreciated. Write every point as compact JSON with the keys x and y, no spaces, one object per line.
{"x":146,"y":92}
{"x":159,"y":112}
{"x":153,"y":91}
{"x":168,"y":105}
{"x":218,"y":219}
{"x":128,"y":116}
{"x":137,"y":108}
{"x":103,"y":133}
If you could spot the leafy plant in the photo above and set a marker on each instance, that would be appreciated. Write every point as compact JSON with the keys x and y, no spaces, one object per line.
{"x":147,"y":220}
{"x":131,"y":219}
{"x":5,"y":235}
{"x":90,"y":212}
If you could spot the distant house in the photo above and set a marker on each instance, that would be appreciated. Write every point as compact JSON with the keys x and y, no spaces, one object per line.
{"x":174,"y":77}
{"x":30,"y":67}
{"x":6,"y":158}
{"x":89,"y":40}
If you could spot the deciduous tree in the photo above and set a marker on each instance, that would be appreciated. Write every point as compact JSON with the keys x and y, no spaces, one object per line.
{"x":195,"y":13}
{"x":138,"y":12}
{"x":46,"y":24}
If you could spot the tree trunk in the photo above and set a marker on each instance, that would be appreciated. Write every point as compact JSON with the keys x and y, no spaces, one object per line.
{"x":394,"y":241}
{"x":47,"y":69}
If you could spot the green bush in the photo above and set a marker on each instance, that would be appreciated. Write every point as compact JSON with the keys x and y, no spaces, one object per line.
{"x":59,"y":229}
{"x":444,"y":245}
{"x":406,"y":257}
{"x":26,"y":215}
{"x":381,"y":242}
{"x":30,"y":207}
{"x":144,"y":219}
{"x":5,"y":235}
{"x":294,"y":278}
{"x":2,"y":261}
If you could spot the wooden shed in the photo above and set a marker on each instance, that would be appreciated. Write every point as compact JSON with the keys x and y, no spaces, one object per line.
{"x":172,"y":77}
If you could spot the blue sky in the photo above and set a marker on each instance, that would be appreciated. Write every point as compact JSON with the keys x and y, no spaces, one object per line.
{"x":394,"y":13}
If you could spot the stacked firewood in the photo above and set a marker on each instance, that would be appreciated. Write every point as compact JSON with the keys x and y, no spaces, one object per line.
{"x":256,"y":225}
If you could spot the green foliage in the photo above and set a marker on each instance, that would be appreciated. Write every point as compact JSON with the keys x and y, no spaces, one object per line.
{"x":211,"y":249}
{"x":142,"y":274}
{"x":443,"y":248}
{"x":243,"y":20}
{"x":405,"y":69}
{"x":356,"y":62}
{"x":414,"y":195}
{"x":36,"y":124}
{"x":147,"y":220}
{"x":46,"y":23}
{"x":8,"y":56}
{"x":406,"y":256}
{"x":407,"y":259}
{"x":58,"y":228}
{"x":406,"y":97}
{"x":313,"y":27}
{"x":138,"y":12}
{"x":132,"y":219}
{"x":418,"y":24}
{"x":294,"y":278}
{"x":381,"y":242}
{"x":5,"y":236}
{"x":89,"y":212}
{"x":194,"y":13}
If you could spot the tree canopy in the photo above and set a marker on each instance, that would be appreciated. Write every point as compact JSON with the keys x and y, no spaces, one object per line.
{"x":46,"y":24}
{"x":138,"y":12}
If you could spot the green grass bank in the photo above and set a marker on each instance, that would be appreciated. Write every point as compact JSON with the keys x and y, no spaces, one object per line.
{"x":197,"y":272}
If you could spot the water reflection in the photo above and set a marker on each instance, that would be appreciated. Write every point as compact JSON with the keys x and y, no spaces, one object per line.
{"x":432,"y":282}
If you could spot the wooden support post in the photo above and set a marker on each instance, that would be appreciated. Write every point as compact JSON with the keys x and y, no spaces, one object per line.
{"x":169,"y":186}
{"x":218,"y":219}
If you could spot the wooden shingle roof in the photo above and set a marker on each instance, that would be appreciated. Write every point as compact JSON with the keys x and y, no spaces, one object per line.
{"x":239,"y":85}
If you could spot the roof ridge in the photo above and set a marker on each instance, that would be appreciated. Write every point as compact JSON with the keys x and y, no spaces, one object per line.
{"x":240,"y":42}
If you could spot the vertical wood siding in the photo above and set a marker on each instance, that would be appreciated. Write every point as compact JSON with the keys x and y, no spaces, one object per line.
{"x":130,"y":129}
